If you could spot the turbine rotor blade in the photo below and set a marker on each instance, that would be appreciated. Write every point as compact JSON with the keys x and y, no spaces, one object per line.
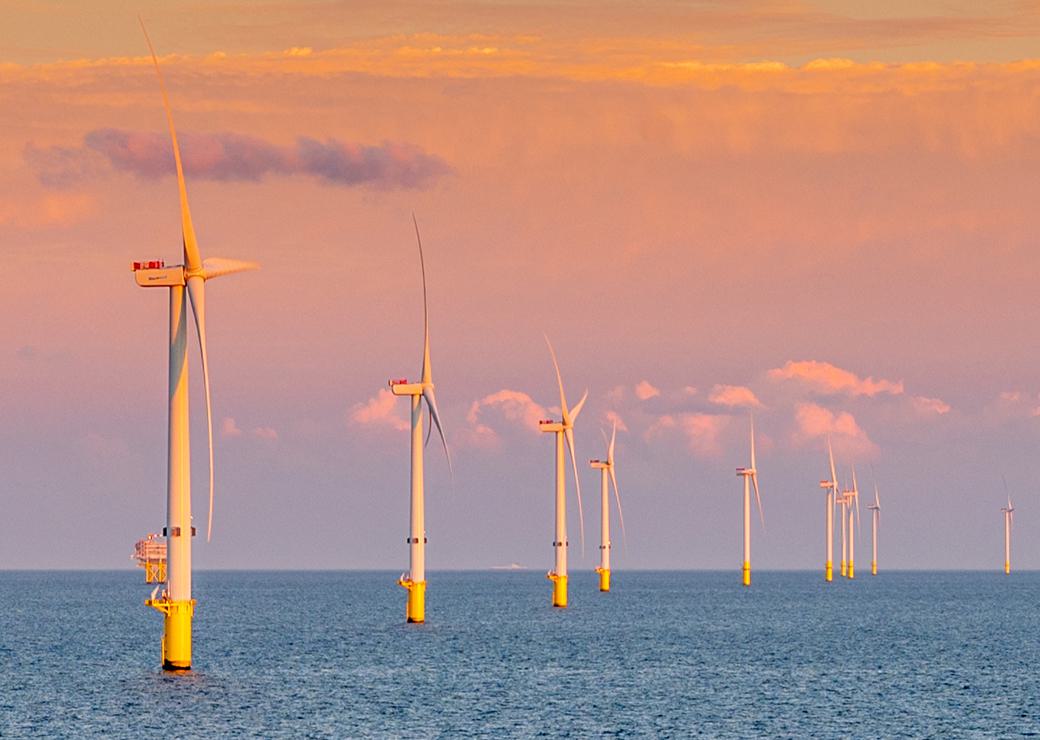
{"x":426,"y":373}
{"x":197,"y":293}
{"x":569,"y":432}
{"x":431,"y":402}
{"x":610,"y":448}
{"x":834,"y":474}
{"x":192,"y":260}
{"x":621,"y":516}
{"x":559,"y":381}
{"x":214,"y":267}
{"x":577,"y":409}
{"x":758,"y":500}
{"x":751,"y":416}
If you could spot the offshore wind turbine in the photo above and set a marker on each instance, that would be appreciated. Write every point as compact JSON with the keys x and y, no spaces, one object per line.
{"x":1009,"y":518}
{"x":750,"y":476}
{"x":853,"y":496}
{"x":875,"y":510}
{"x":831,"y":489}
{"x":606,"y":469}
{"x":415,"y":580}
{"x":841,"y":502}
{"x":563,"y":429}
{"x":175,"y":602}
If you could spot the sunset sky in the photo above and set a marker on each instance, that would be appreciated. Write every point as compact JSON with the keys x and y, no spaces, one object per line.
{"x":822,"y":211}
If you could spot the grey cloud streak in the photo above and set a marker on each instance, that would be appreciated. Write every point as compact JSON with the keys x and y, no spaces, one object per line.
{"x":229,"y":156}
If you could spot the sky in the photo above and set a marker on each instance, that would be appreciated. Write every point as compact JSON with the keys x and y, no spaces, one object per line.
{"x":821,"y":212}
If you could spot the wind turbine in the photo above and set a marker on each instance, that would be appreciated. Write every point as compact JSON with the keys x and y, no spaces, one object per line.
{"x":750,"y":476}
{"x":175,"y":602}
{"x":1009,"y":518}
{"x":415,"y":581}
{"x":831,"y":489}
{"x":563,"y":429}
{"x":853,"y":496}
{"x":606,"y":468}
{"x":842,"y":501}
{"x":875,"y":509}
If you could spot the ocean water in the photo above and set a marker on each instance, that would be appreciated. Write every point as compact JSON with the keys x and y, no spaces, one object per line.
{"x":327,"y":654}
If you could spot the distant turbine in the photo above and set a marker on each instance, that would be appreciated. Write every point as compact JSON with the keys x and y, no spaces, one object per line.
{"x":415,"y":581}
{"x":563,"y":429}
{"x":853,"y":496}
{"x":1009,"y":518}
{"x":875,"y":509}
{"x":750,"y":476}
{"x":842,"y":501}
{"x":175,"y":602}
{"x":606,"y":468}
{"x":831,"y":489}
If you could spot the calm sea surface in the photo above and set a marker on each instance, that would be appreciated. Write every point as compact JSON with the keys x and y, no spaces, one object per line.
{"x":327,"y":654}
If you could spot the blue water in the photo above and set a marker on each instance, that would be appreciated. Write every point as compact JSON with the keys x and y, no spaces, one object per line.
{"x":327,"y":654}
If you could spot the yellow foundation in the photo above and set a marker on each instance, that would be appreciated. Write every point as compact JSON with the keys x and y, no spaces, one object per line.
{"x":828,"y":571}
{"x":1007,"y":567}
{"x":559,"y":597}
{"x":604,"y":579}
{"x":873,"y":567}
{"x":844,"y":569}
{"x":415,"y":608}
{"x":747,"y":573}
{"x":176,"y":641}
{"x":852,"y":570}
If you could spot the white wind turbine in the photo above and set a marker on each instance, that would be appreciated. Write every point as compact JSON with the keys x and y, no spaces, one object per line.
{"x":750,"y":476}
{"x":1009,"y":519}
{"x":875,"y":510}
{"x":415,"y":580}
{"x":606,"y":468}
{"x":831,"y":490}
{"x":175,"y":602}
{"x":853,"y":496}
{"x":563,"y":429}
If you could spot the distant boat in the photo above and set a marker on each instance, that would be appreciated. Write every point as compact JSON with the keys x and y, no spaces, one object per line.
{"x":511,"y":566}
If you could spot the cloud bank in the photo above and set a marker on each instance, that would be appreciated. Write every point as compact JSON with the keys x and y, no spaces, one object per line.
{"x":227,"y":156}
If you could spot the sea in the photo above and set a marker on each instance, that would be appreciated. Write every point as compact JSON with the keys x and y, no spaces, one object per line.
{"x":664,"y":654}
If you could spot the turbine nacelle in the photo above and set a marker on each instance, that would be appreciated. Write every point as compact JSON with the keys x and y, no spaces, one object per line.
{"x":402,"y":387}
{"x":746,"y":471}
{"x":600,"y":464}
{"x":547,"y":425}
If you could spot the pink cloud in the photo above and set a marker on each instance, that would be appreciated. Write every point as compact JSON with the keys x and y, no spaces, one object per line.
{"x":267,"y":433}
{"x":702,"y":432}
{"x":734,"y":395}
{"x":515,"y":406}
{"x":931,"y":405}
{"x":644,"y":390}
{"x":823,"y":377}
{"x":613,"y":418}
{"x":816,"y":422}
{"x":381,"y":410}
{"x":229,"y":428}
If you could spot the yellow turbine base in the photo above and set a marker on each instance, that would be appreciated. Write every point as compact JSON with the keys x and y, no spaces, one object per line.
{"x":176,"y":641}
{"x":415,"y":608}
{"x":559,"y":596}
{"x":873,"y":567}
{"x":747,"y":573}
{"x":1007,"y":567}
{"x":844,"y":568}
{"x":852,"y":570}
{"x":604,"y":579}
{"x":828,"y":571}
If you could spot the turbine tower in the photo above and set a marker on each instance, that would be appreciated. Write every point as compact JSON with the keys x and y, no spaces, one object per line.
{"x":750,"y":476}
{"x":415,"y":580}
{"x":875,"y":510}
{"x":606,"y":468}
{"x":842,"y":502}
{"x":831,"y":489}
{"x":175,"y":601}
{"x":563,"y":429}
{"x":1009,"y":518}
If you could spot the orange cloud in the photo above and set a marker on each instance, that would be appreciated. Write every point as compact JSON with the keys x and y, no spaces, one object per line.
{"x":702,"y":432}
{"x":824,"y":377}
{"x":55,"y":210}
{"x":644,"y":390}
{"x":734,"y":395}
{"x":931,"y":405}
